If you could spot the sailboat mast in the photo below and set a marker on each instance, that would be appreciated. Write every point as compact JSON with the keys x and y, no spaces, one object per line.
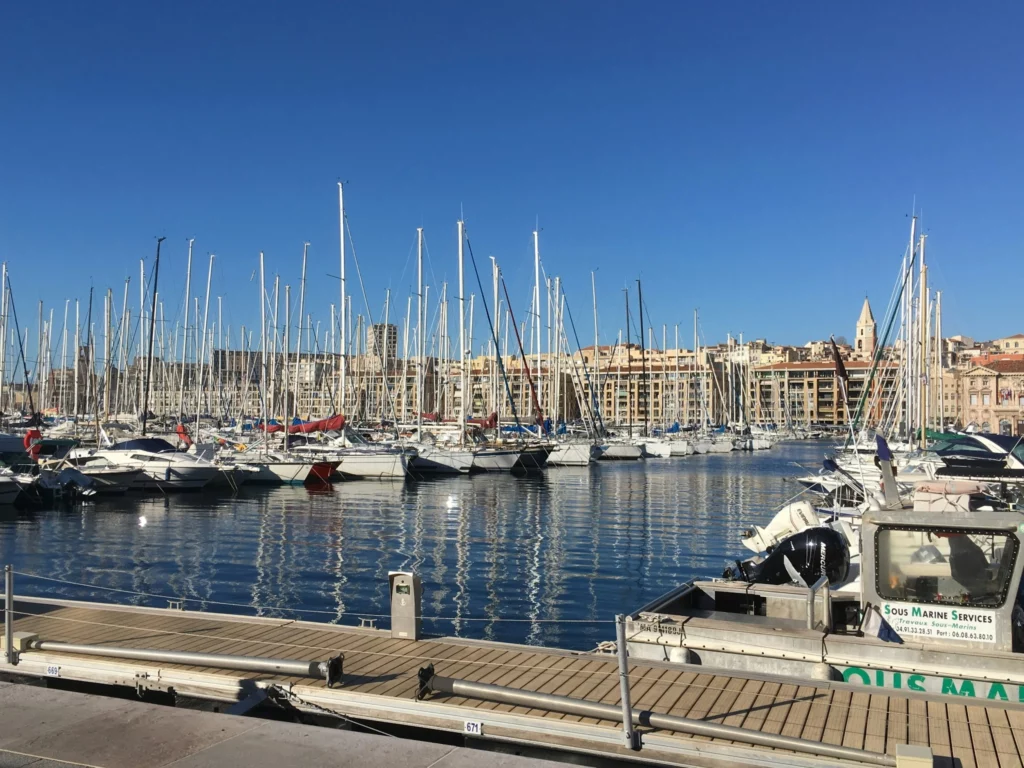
{"x":923,"y":377}
{"x":184,"y":346}
{"x":462,"y":338}
{"x":149,"y":355}
{"x":940,"y":362}
{"x":344,"y":349}
{"x":536,"y":307}
{"x":420,"y":338}
{"x":629,"y":369}
{"x":643,"y":359}
{"x":597,"y":396}
{"x":263,"y":356}
{"x":298,"y":339}
{"x":202,"y":354}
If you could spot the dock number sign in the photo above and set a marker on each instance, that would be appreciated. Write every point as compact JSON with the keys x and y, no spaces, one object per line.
{"x":473,"y":728}
{"x":941,"y":622}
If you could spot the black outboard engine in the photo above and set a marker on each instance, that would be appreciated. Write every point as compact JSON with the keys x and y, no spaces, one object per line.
{"x":802,"y":559}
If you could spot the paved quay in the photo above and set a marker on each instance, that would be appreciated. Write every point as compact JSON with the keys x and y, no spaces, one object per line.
{"x":44,"y":728}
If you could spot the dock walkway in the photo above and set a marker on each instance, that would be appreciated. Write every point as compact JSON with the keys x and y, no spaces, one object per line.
{"x":380,"y":684}
{"x":43,"y":728}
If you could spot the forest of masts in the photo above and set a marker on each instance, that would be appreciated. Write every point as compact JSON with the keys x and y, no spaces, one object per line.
{"x":107,"y":355}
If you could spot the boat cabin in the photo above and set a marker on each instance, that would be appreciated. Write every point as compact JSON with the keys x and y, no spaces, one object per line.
{"x":937,"y":596}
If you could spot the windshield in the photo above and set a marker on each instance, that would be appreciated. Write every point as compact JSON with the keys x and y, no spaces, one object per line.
{"x":945,"y":566}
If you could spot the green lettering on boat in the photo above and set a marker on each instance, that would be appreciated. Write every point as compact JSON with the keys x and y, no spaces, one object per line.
{"x":997,"y":691}
{"x":949,"y":687}
{"x":858,"y":672}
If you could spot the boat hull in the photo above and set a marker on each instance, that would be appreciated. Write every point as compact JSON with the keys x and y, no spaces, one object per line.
{"x":438,"y":461}
{"x":498,"y":460}
{"x":175,"y":477}
{"x":622,"y":452}
{"x":375,"y":466}
{"x":573,"y":454}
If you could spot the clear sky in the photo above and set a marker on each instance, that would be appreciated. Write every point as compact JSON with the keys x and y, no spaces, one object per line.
{"x":755,"y":160}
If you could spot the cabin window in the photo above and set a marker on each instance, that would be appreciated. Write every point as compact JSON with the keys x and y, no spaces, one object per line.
{"x":944,"y":566}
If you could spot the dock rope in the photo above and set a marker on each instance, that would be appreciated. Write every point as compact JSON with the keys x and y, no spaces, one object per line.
{"x":279,"y":694}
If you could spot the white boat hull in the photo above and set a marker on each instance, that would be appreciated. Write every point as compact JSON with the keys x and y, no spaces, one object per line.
{"x":431,"y":460}
{"x":279,"y":472}
{"x":390,"y":465}
{"x":622,"y":452}
{"x":681,"y":448}
{"x":573,"y":454}
{"x":175,"y":477}
{"x":498,"y":460}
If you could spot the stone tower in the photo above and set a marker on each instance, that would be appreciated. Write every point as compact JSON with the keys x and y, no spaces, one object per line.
{"x":864,"y":346}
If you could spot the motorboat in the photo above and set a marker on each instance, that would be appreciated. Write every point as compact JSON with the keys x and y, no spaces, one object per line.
{"x":163,"y":466}
{"x":110,"y":478}
{"x":924,"y":596}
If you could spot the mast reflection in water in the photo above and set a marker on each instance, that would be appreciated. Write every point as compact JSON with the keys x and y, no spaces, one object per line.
{"x":545,"y":560}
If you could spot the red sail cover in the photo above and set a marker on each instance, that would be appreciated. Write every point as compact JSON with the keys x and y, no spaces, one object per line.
{"x":491,"y":422}
{"x":332,"y":424}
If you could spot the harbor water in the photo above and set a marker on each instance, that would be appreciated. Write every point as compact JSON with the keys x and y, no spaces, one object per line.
{"x":546,"y":559}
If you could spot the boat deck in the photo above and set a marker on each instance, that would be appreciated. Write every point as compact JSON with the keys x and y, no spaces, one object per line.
{"x":380,"y":683}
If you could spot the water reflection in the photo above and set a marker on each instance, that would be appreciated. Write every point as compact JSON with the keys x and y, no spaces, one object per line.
{"x":539,"y":559}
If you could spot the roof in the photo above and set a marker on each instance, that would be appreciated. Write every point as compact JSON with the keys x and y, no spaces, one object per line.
{"x":865,"y":314}
{"x":1015,"y":336}
{"x":1003,"y":366}
{"x":814,"y":365}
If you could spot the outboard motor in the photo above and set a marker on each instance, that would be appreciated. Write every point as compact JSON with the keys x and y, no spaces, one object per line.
{"x":802,"y":559}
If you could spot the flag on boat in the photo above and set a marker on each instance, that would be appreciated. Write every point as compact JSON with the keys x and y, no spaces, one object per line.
{"x":841,"y":374}
{"x":875,"y":626}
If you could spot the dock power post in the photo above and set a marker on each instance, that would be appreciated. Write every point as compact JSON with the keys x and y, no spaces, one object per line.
{"x":406,"y":603}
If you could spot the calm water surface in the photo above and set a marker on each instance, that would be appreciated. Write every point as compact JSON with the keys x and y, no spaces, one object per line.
{"x":547,"y":560}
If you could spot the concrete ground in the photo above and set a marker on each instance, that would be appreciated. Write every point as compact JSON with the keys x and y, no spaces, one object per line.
{"x":45,"y":728}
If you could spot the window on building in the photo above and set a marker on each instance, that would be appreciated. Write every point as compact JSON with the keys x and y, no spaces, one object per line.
{"x":974,"y":398}
{"x":986,"y":399}
{"x":949,"y":567}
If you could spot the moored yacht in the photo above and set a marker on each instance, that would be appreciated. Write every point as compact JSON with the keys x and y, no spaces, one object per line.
{"x":163,"y":466}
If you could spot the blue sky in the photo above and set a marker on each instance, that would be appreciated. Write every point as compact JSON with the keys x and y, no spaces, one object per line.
{"x":756,"y":160}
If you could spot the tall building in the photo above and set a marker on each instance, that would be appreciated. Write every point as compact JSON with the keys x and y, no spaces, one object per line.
{"x":382,"y":342}
{"x":864,"y":345}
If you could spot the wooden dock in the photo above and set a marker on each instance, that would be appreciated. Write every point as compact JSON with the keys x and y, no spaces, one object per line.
{"x":380,"y":683}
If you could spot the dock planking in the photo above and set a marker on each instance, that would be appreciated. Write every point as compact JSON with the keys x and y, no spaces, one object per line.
{"x":385,"y":668}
